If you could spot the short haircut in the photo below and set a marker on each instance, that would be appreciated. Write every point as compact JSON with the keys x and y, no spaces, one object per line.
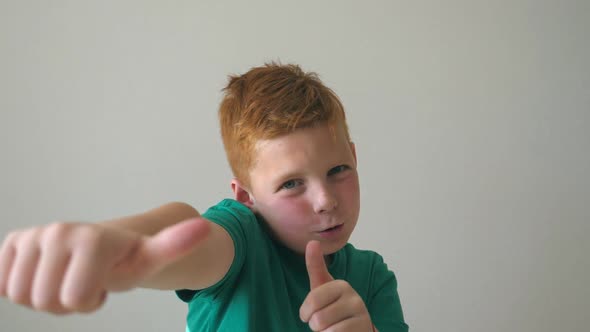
{"x":271,"y":101}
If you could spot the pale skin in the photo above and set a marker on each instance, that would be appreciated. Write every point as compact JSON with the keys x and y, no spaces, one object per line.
{"x":331,"y":305}
{"x":303,"y":184}
{"x":70,"y":267}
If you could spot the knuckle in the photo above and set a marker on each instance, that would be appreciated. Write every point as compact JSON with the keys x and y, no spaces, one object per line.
{"x":312,"y":303}
{"x":342,"y":283}
{"x":358,"y":303}
{"x":26,"y":238}
{"x":56,"y":232}
{"x":70,"y":234}
{"x":11,"y":237}
{"x":7,"y":249}
{"x":88,"y":236}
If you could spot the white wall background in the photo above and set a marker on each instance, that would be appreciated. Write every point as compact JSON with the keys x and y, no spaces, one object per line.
{"x":471,"y":118}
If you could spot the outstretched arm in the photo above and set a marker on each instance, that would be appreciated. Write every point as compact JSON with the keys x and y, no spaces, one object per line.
{"x":70,"y":267}
{"x":204,"y":265}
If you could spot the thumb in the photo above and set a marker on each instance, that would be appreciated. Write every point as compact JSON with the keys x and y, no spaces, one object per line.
{"x":156,"y":252}
{"x":173,"y":242}
{"x":316,"y":266}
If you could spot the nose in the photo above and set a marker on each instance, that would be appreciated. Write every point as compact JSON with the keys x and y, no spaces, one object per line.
{"x":324,"y":200}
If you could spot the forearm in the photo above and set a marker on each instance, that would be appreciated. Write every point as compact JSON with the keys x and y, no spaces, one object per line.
{"x":154,"y":220}
{"x":207,"y":262}
{"x":203,"y":266}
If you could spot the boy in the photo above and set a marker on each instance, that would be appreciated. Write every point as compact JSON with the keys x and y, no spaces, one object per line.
{"x":275,"y":258}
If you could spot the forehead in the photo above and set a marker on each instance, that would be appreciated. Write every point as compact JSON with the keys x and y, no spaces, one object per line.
{"x":306,"y":148}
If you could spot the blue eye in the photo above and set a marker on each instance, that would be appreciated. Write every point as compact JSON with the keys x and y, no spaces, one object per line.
{"x":337,"y":169}
{"x":290,"y":184}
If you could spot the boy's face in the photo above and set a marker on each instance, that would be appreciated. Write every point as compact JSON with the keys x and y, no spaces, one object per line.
{"x":306,"y":187}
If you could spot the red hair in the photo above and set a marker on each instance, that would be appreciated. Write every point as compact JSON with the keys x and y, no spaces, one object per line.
{"x":270,"y":101}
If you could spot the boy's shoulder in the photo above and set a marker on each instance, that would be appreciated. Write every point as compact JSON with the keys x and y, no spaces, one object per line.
{"x":231,"y":207}
{"x":230,"y":203}
{"x":362,"y":254}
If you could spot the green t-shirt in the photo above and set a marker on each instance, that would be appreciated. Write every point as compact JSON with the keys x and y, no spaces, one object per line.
{"x":267,"y":282}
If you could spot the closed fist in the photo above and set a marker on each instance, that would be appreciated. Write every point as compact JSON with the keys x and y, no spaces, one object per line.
{"x":69,"y":267}
{"x":331,"y":305}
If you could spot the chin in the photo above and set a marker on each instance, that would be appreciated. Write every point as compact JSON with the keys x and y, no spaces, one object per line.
{"x":329,"y":248}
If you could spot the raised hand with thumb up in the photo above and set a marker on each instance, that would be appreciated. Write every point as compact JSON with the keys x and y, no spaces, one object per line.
{"x":331,"y":305}
{"x":70,"y":267}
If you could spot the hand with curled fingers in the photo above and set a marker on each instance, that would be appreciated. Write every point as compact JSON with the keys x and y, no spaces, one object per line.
{"x":331,"y":305}
{"x":64,"y":267}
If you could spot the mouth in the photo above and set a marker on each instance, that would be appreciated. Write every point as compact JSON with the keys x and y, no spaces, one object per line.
{"x":332,"y":231}
{"x":331,"y":228}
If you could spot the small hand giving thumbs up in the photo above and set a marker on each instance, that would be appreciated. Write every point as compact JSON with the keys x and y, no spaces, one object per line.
{"x":331,"y":305}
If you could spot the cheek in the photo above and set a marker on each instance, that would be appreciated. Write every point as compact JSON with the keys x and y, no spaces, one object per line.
{"x":349,"y":191}
{"x":289,"y":212}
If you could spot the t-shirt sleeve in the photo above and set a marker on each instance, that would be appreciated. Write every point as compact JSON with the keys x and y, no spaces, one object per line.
{"x":235,"y":218}
{"x":384,"y":304}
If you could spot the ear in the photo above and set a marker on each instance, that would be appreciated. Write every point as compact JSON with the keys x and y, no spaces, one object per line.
{"x":242,"y":194}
